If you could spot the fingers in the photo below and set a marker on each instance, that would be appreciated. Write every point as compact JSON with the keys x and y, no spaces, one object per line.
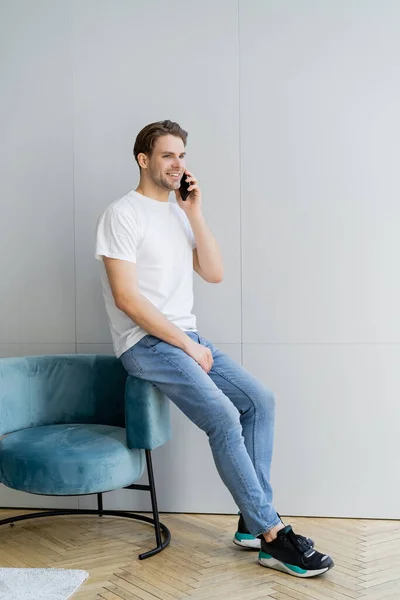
{"x":207,"y":367}
{"x":207,"y":361}
{"x":210,"y":360}
{"x":204,"y":358}
{"x":191,"y":179}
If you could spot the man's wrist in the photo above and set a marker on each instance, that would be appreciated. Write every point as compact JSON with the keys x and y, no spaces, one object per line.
{"x":186,"y":343}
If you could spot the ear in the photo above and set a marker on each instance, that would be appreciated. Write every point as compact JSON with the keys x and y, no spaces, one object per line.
{"x":142,"y":160}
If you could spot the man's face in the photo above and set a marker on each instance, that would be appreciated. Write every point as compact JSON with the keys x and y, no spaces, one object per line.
{"x":166,"y":164}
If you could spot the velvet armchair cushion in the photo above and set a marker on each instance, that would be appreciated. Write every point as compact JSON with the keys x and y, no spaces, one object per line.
{"x":76,"y":423}
{"x":69,"y":459}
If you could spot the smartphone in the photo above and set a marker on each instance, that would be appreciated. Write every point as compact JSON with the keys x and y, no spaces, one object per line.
{"x":183,"y":190}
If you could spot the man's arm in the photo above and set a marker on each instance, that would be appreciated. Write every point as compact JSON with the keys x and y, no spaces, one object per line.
{"x":207,"y":259}
{"x":127,"y":297}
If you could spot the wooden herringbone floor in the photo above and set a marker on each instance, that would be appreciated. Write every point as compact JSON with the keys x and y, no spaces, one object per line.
{"x":202,"y":563}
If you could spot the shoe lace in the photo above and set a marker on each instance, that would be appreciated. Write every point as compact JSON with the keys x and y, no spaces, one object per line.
{"x":300,"y":542}
{"x":303,"y":541}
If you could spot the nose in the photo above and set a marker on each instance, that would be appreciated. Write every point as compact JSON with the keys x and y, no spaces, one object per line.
{"x":179,"y":163}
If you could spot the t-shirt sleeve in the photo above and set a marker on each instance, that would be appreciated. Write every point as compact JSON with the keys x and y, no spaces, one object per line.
{"x":117,"y":236}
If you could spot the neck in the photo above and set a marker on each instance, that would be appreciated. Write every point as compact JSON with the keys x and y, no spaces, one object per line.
{"x":149,"y":189}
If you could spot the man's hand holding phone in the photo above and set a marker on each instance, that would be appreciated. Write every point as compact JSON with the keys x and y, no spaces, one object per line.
{"x":189,"y":195}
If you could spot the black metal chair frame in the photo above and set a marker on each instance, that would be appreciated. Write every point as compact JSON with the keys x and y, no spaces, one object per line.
{"x":159,"y":527}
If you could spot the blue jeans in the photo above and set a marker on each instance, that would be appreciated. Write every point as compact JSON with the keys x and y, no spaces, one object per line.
{"x":233,"y":408}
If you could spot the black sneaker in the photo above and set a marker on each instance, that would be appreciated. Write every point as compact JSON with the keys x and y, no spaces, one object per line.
{"x":244,"y":538}
{"x":304,"y":541}
{"x":286,"y":553}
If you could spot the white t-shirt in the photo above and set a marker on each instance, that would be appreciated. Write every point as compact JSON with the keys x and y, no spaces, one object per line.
{"x":157,"y":236}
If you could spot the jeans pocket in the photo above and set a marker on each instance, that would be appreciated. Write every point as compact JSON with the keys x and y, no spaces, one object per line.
{"x":131,"y":363}
{"x":203,"y":342}
{"x":151,"y":340}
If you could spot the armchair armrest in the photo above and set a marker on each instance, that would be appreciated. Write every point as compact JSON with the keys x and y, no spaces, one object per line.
{"x":147,"y":415}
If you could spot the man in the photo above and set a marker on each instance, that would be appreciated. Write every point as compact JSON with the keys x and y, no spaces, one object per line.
{"x":150,"y":247}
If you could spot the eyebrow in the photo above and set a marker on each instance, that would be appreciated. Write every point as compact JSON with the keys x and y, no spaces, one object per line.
{"x":168,"y":152}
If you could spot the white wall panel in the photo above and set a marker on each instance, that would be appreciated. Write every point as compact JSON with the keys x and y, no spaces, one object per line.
{"x":36,"y":174}
{"x":337,"y":436}
{"x":126,"y":77}
{"x":320,"y":90}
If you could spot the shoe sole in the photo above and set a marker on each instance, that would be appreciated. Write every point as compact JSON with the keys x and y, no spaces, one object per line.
{"x":249,"y":543}
{"x":272,"y":563}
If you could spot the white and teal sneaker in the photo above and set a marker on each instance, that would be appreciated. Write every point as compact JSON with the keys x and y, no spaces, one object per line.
{"x":286,"y":553}
{"x":244,"y":538}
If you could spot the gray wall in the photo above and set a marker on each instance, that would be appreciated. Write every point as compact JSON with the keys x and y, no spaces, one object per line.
{"x":292,"y":113}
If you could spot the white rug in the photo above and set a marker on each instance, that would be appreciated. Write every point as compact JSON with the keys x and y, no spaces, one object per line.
{"x":39,"y":584}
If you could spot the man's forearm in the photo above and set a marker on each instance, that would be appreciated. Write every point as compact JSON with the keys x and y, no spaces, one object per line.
{"x":149,"y":318}
{"x":208,"y":251}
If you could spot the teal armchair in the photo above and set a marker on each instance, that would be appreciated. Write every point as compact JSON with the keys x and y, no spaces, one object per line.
{"x":78,"y":424}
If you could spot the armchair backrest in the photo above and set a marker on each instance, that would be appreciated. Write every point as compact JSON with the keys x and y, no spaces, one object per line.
{"x":66,"y":388}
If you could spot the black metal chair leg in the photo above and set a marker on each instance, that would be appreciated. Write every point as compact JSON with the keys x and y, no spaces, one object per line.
{"x":160,"y":544}
{"x":100,"y":504}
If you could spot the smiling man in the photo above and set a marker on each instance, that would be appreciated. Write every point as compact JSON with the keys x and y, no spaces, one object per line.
{"x":150,"y":247}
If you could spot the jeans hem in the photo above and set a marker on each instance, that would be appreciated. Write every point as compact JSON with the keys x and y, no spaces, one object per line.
{"x":269,"y":527}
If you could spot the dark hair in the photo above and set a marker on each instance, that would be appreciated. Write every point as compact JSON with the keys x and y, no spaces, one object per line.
{"x":147,"y":137}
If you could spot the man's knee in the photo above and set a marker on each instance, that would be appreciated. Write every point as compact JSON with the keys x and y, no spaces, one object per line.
{"x":264,"y":403}
{"x":269,"y":401}
{"x":225,"y":419}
